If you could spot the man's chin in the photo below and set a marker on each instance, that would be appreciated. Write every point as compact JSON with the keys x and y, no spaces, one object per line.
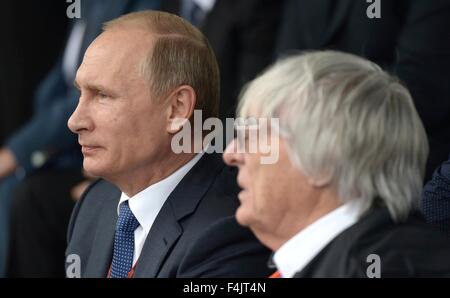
{"x":93,"y":170}
{"x":242,"y":217}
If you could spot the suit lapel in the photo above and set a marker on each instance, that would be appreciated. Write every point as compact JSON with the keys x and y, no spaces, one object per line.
{"x":182,"y":202}
{"x":374,"y":220}
{"x":102,"y":247}
{"x":162,"y":236}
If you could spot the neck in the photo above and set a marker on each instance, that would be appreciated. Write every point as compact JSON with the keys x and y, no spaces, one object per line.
{"x":146,"y":175}
{"x":296,"y":219}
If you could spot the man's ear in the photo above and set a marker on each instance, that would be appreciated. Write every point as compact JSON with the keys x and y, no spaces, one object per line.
{"x":321,"y":182}
{"x":181,"y":107}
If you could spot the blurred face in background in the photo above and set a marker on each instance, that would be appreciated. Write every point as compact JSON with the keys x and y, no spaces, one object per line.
{"x":120,"y":126}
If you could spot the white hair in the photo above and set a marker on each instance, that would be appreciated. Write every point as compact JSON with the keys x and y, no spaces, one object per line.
{"x":348,"y":124}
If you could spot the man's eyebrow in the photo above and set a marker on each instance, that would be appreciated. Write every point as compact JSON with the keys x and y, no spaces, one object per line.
{"x":96,"y":87}
{"x":109,"y":91}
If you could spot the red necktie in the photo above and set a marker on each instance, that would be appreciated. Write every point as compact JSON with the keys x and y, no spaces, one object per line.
{"x":130,"y":274}
{"x":276,"y":274}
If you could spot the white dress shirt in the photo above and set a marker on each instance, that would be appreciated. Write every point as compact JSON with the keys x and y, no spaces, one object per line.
{"x":297,"y":252}
{"x":146,"y":204}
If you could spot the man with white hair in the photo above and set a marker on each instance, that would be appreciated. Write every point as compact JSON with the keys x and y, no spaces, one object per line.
{"x":341,"y":199}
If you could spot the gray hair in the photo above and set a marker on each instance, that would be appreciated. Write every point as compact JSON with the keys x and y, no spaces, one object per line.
{"x":348,"y":124}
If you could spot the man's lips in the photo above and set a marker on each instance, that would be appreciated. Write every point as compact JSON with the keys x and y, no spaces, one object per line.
{"x":242,"y":194}
{"x":240,"y":183}
{"x":86,"y":149}
{"x":243,"y":189}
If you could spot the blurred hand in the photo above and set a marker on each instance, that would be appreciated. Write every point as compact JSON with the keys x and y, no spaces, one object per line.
{"x":8,"y":163}
{"x":78,"y":190}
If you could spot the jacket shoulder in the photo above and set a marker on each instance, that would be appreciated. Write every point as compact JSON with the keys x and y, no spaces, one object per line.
{"x":408,"y":249}
{"x":225,"y":249}
{"x":90,"y":202}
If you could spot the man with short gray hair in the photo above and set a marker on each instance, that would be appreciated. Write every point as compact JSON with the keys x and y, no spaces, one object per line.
{"x":152,"y":213}
{"x":341,"y":199}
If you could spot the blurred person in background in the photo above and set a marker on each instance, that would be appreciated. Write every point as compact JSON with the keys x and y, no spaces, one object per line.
{"x":47,"y":155}
{"x":408,"y":39}
{"x":27,"y":29}
{"x":436,"y":199}
{"x":25,"y":57}
{"x":242,"y":34}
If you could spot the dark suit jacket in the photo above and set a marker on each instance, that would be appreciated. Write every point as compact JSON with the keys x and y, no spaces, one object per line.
{"x":242,"y":34}
{"x":407,"y":40}
{"x":194,"y":234}
{"x":409,"y":249}
{"x":436,"y":198}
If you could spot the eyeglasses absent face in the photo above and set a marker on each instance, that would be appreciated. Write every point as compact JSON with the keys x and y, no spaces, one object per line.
{"x":120,"y":125}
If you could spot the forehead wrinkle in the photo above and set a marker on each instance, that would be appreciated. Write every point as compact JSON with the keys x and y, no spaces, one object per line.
{"x":115,"y":57}
{"x":99,"y":68}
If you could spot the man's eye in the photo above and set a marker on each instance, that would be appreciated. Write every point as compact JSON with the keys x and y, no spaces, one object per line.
{"x":102,"y":95}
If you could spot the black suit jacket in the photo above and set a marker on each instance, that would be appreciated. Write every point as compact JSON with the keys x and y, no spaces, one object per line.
{"x":410,"y":40}
{"x":194,"y":234}
{"x":242,"y":34}
{"x":435,"y":203}
{"x":409,"y":249}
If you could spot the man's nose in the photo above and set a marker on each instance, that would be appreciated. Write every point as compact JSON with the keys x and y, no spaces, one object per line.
{"x":231,"y":156}
{"x":79,"y":119}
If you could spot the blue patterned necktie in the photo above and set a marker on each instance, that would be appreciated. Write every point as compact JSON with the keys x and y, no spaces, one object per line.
{"x":124,"y":242}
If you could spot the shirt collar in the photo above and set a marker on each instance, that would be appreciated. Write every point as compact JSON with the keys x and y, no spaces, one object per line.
{"x":297,"y":252}
{"x":146,"y":204}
